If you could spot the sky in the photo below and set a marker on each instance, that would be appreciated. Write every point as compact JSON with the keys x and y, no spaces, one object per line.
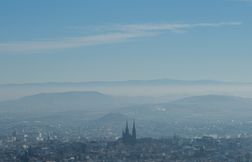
{"x":94,"y":40}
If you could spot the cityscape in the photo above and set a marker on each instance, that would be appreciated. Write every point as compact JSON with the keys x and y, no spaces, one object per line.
{"x":125,"y":81}
{"x":51,"y":148}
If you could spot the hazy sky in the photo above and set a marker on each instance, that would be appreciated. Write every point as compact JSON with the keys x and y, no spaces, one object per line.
{"x":85,"y":40}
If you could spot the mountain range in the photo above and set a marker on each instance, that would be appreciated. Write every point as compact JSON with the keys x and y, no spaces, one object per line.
{"x":128,"y":82}
{"x":97,"y":110}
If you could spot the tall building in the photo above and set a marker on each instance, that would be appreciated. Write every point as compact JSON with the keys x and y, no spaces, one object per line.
{"x":127,"y":137}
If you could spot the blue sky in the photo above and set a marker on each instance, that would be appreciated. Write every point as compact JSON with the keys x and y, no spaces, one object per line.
{"x":74,"y":41}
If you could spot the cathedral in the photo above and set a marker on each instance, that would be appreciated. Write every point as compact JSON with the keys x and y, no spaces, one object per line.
{"x":127,"y":137}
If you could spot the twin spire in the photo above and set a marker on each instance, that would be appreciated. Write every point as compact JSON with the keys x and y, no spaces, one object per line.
{"x":127,"y":137}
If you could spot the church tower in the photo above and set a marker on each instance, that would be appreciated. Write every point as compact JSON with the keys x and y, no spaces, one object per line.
{"x":128,"y":138}
{"x":127,"y":128}
{"x":134,"y":131}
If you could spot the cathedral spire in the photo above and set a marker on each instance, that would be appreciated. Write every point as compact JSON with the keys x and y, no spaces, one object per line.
{"x":129,"y":137}
{"x":127,"y":128}
{"x":134,"y":131}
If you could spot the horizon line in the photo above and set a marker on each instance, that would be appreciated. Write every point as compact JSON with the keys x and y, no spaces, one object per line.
{"x":122,"y":81}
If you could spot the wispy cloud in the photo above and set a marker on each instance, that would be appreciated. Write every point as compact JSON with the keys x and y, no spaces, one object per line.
{"x":73,"y":42}
{"x":111,"y":34}
{"x":172,"y":27}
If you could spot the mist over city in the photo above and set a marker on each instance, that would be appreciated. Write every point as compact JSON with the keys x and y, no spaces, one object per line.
{"x":125,"y":81}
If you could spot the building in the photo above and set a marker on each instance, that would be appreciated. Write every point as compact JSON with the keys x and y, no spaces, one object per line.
{"x":127,"y":137}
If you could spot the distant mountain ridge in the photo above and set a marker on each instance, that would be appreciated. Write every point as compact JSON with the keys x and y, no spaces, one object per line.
{"x":206,"y":99}
{"x":194,"y":115}
{"x":100,"y":111}
{"x":208,"y":107}
{"x":59,"y":102}
{"x":127,"y":82}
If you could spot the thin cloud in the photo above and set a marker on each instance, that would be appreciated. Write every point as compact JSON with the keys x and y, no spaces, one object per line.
{"x":74,"y":42}
{"x":111,"y":34}
{"x":172,"y":27}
